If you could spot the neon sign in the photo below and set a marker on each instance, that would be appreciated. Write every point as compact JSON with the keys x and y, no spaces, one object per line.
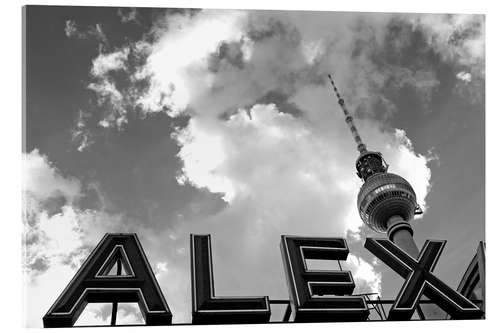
{"x":315,"y":295}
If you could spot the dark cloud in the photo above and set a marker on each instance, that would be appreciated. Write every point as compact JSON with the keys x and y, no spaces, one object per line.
{"x":270,"y":27}
{"x":227,"y":53}
{"x":281,"y":101}
{"x":54,"y":205}
{"x":39,"y":266}
{"x":128,"y":15}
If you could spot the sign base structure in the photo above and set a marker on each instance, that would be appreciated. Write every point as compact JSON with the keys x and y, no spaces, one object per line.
{"x":117,"y":271}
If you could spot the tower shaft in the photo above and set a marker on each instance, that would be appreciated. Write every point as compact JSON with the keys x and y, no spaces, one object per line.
{"x":400,"y":232}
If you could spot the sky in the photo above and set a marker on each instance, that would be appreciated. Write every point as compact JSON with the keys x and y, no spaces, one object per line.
{"x":167,"y":122}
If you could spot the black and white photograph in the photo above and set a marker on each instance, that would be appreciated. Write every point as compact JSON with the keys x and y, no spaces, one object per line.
{"x":202,"y":166}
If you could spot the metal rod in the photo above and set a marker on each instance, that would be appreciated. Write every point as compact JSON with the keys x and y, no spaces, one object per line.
{"x":114,"y":309}
{"x":374,"y":306}
{"x":279,"y":301}
{"x":383,"y":309}
{"x":373,"y":301}
{"x":288,"y":312}
{"x":420,"y":312}
{"x":113,"y":313}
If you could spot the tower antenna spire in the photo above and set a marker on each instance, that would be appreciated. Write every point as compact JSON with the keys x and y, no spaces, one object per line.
{"x":386,"y":201}
{"x":348,"y":119}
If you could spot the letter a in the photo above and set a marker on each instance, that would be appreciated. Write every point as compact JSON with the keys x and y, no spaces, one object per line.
{"x":93,"y":284}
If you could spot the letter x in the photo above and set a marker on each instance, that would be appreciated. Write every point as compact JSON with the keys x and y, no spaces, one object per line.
{"x":420,"y":280}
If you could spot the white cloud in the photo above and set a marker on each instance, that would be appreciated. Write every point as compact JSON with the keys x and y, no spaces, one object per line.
{"x":129,"y":314}
{"x":100,"y":314}
{"x":93,"y":315}
{"x":107,"y":92}
{"x":57,"y":237}
{"x":277,"y":49}
{"x":70,"y":28}
{"x":109,"y":62}
{"x":277,"y":161}
{"x":81,"y":133}
{"x":42,"y":180}
{"x":410,"y":165}
{"x":457,"y":38}
{"x":312,"y":50}
{"x":464,"y":76}
{"x":104,"y":87}
{"x":61,"y":243}
{"x":127,"y":15}
{"x":367,"y":279}
{"x":177,"y":62}
{"x":161,"y":268}
{"x":94,"y":31}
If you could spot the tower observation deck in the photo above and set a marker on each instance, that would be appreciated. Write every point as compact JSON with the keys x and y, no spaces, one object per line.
{"x":386,"y":201}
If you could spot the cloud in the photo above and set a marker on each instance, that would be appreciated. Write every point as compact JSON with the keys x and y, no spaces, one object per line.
{"x":247,"y":54}
{"x":105,"y":63}
{"x":365,"y":275}
{"x":457,"y":38}
{"x":182,"y":53}
{"x":70,"y":28}
{"x":104,"y":86}
{"x":128,"y":15}
{"x":42,"y":180}
{"x":96,"y":32}
{"x":129,"y":314}
{"x":57,"y":230}
{"x":80,"y":133}
{"x":112,"y":70}
{"x":109,"y":95}
{"x":464,"y":76}
{"x":278,"y":162}
{"x":99,"y":314}
{"x":58,"y":235}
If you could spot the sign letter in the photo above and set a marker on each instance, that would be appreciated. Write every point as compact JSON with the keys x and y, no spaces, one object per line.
{"x":420,"y":280}
{"x":209,"y":309}
{"x":319,"y":295}
{"x":93,"y":284}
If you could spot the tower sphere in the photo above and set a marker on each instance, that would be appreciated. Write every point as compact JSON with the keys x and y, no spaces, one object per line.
{"x":384,"y":195}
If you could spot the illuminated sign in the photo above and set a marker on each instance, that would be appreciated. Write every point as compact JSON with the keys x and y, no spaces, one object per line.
{"x":320,"y":295}
{"x":420,"y":280}
{"x":93,"y":284}
{"x":315,"y":295}
{"x":209,"y":309}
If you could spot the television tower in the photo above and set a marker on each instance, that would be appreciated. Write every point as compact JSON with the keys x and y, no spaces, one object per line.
{"x":386,"y":201}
